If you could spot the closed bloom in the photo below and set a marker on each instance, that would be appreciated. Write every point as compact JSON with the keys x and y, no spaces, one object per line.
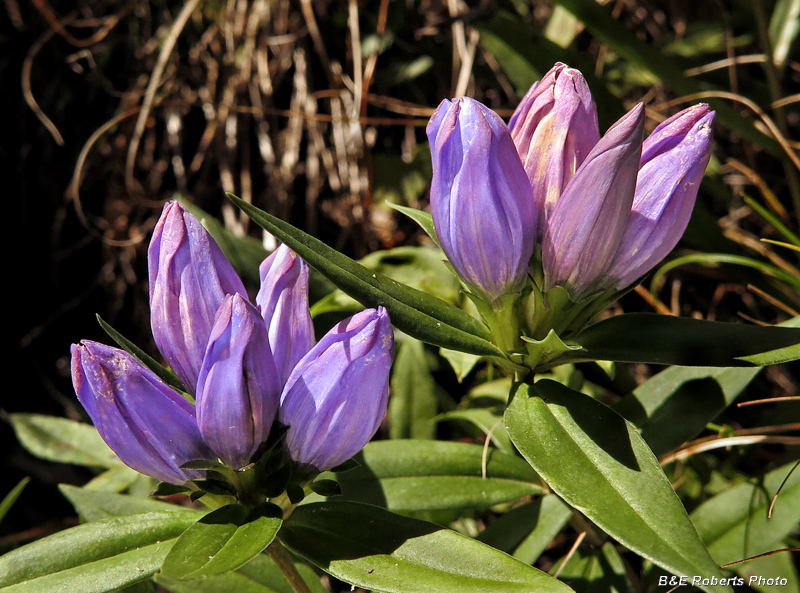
{"x":189,"y":278}
{"x":674,"y":159}
{"x":336,"y":397}
{"x":589,"y":219}
{"x":554,"y":128}
{"x":150,"y":426}
{"x":283,"y":302}
{"x":481,"y":199}
{"x":238,"y":388}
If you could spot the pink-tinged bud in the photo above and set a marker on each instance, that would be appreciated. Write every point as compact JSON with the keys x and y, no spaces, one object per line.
{"x":238,"y":389}
{"x":554,"y":128}
{"x":588,"y":221}
{"x":481,"y":199}
{"x":148,"y":425}
{"x":674,"y":159}
{"x":189,"y":278}
{"x":336,"y":396}
{"x":283,"y":302}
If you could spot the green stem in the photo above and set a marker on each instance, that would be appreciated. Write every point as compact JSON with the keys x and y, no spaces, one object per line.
{"x":281,"y":557}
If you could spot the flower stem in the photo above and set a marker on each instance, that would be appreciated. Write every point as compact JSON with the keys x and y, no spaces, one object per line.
{"x":281,"y":557}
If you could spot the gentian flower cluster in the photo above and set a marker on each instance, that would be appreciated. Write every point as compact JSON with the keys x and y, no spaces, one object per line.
{"x":247,"y":366}
{"x":547,"y":203}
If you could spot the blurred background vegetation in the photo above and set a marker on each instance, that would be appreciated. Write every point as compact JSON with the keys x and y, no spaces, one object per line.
{"x":315,"y":110}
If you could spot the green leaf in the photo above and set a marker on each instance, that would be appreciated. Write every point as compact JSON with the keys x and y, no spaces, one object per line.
{"x":161,"y":371}
{"x":375,"y":549}
{"x":436,"y":475}
{"x":62,"y":440}
{"x":118,"y":479}
{"x":784,"y":27}
{"x":597,"y":462}
{"x":461,"y":362}
{"x":675,"y":405}
{"x":663,"y":339}
{"x":595,"y":570}
{"x":777,"y":356}
{"x":734,"y":524}
{"x":418,"y":314}
{"x":95,"y":505}
{"x":775,"y":565}
{"x":525,"y":532}
{"x":413,"y":402}
{"x":326,"y":488}
{"x":713,"y":260}
{"x":260,"y":575}
{"x":11,"y":497}
{"x":486,"y":420}
{"x":222,"y":541}
{"x":692,"y":406}
{"x":418,"y":267}
{"x":422,"y":218}
{"x":94,"y":557}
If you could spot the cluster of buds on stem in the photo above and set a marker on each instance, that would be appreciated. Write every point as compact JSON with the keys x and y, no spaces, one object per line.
{"x":550,"y":212}
{"x":246,"y":365}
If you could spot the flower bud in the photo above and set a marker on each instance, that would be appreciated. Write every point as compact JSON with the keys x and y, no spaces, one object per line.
{"x":590,"y":217}
{"x":148,"y":425}
{"x":238,"y":388}
{"x":554,"y":128}
{"x":481,"y":199}
{"x":336,"y":396}
{"x":189,"y":278}
{"x":674,"y":159}
{"x":283,"y":302}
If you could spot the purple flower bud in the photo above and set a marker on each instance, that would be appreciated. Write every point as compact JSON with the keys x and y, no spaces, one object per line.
{"x":189,"y":278}
{"x":283,"y":302}
{"x":336,"y":396}
{"x":554,"y":129}
{"x":589,"y":219}
{"x":238,"y":389}
{"x":481,"y":199}
{"x":674,"y":159}
{"x":150,"y":426}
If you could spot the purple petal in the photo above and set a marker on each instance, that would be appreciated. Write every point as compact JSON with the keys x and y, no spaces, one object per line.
{"x":238,"y":389}
{"x":587,"y":224}
{"x":148,"y":425}
{"x":283,"y":302}
{"x":674,"y":159}
{"x":189,"y":278}
{"x":554,"y":128}
{"x":336,"y":396}
{"x":481,"y":200}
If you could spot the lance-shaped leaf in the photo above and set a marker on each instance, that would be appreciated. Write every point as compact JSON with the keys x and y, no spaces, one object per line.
{"x":418,"y":314}
{"x":735,"y":525}
{"x":409,"y":475}
{"x":95,"y":557}
{"x":662,"y":339}
{"x":260,"y":575}
{"x":390,"y":553}
{"x":96,"y":505}
{"x":222,"y":541}
{"x":676,"y":405}
{"x":525,"y":532}
{"x":63,"y":440}
{"x":422,"y":218}
{"x":598,"y":463}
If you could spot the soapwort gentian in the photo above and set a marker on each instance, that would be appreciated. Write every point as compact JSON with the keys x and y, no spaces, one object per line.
{"x":252,"y":359}
{"x":596,"y":212}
